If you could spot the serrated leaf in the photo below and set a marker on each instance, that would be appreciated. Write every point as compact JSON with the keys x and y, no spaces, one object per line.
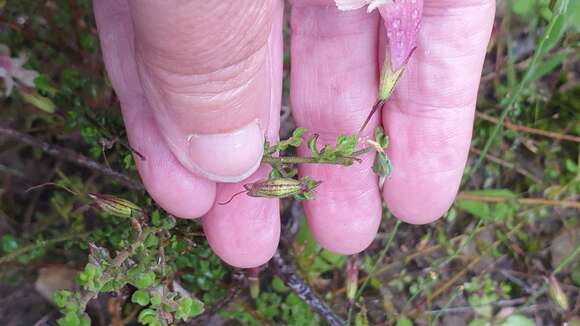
{"x":140,"y":297}
{"x":144,"y":280}
{"x":345,"y":145}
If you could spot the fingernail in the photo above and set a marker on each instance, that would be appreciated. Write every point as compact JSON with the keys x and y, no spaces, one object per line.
{"x":228,"y":157}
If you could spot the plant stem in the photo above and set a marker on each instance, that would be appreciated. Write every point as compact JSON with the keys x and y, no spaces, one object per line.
{"x":46,"y":243}
{"x":284,"y":160}
{"x":108,"y":274}
{"x":373,"y":269}
{"x":71,"y":156}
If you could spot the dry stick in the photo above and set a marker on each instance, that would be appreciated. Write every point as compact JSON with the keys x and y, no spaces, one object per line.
{"x":539,"y":132}
{"x":508,"y":165}
{"x":71,"y":156}
{"x":287,"y":273}
{"x":523,"y":201}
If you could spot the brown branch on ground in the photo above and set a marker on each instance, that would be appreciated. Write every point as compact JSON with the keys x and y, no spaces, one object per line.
{"x":70,"y":156}
{"x":534,"y":131}
{"x":295,"y":283}
{"x":508,"y":165}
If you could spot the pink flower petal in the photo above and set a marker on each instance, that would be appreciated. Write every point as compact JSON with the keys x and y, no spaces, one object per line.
{"x":402,"y":20}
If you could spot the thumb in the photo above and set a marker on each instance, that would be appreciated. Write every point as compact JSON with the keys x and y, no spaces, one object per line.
{"x":202,"y":67}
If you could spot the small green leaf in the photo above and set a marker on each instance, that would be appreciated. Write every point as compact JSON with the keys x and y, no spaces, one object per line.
{"x":313,"y":146}
{"x":382,"y":165}
{"x":143,"y":281}
{"x":155,"y":299}
{"x":188,"y":308}
{"x":148,"y":317}
{"x":298,"y":132}
{"x":404,"y":321}
{"x":518,"y":320}
{"x":381,"y":138}
{"x":9,"y":243}
{"x":361,"y":318}
{"x":61,"y":298}
{"x":140,"y":297}
{"x":345,"y":145}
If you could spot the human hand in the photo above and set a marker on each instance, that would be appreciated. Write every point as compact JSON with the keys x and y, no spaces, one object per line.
{"x":200,"y":86}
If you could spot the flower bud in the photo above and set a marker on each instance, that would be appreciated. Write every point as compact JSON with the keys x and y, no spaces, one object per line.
{"x":254,"y":281}
{"x":351,"y":279}
{"x":116,"y":206}
{"x":556,"y":293}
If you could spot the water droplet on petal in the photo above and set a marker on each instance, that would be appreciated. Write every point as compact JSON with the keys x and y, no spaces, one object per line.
{"x":396,"y":23}
{"x":415,"y":14}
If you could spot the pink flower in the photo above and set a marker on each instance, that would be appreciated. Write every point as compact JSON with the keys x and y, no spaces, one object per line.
{"x":402,"y":21}
{"x":11,"y":70}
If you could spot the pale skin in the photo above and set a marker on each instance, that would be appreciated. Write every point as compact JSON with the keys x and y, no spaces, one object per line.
{"x":200,"y":85}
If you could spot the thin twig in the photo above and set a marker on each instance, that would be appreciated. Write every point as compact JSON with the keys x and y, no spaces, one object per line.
{"x":44,"y":243}
{"x":539,"y":132}
{"x":70,"y":156}
{"x":508,"y":165}
{"x":523,"y":201}
{"x":287,"y":273}
{"x":283,"y":160}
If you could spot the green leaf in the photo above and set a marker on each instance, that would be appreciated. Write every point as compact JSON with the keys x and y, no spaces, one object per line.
{"x":361,"y":318}
{"x":278,"y":285}
{"x":298,"y":132}
{"x":505,"y":193}
{"x":381,"y":138}
{"x":382,"y":165}
{"x":61,"y":298}
{"x":475,"y":208}
{"x":548,"y":66}
{"x":522,"y":7}
{"x":479,"y":322}
{"x":143,"y":281}
{"x":9,"y":243}
{"x":345,"y":145}
{"x":188,"y":308}
{"x":155,"y":299}
{"x":404,"y":321}
{"x":140,"y":297}
{"x":518,"y":320}
{"x":313,"y":146}
{"x":148,"y":317}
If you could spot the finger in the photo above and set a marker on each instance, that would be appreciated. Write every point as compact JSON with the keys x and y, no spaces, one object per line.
{"x":246,"y":231}
{"x":202,"y":67}
{"x":430,"y":116}
{"x":170,"y":185}
{"x":334,"y":81}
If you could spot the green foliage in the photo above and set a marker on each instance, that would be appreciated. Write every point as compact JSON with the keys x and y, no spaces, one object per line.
{"x":8,"y":243}
{"x":140,"y":297}
{"x":310,"y":257}
{"x":73,"y":106}
{"x":188,"y":308}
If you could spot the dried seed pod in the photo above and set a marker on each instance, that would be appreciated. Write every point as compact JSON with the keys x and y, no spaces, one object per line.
{"x":277,"y":188}
{"x":116,"y":206}
{"x":557,"y":294}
